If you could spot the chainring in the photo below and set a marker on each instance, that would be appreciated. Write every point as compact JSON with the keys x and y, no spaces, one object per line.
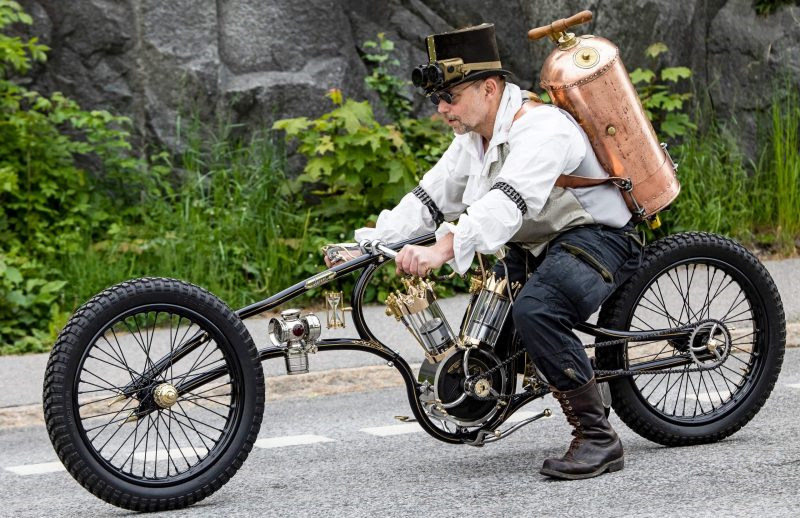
{"x":448,"y":385}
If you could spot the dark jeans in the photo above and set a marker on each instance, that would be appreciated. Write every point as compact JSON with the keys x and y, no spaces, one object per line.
{"x":579,"y":270}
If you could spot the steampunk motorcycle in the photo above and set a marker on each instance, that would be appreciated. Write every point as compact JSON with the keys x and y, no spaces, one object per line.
{"x":154,"y":391}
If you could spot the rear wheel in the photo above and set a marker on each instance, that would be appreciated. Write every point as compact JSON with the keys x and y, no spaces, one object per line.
{"x":124,"y":406}
{"x":684,"y":279}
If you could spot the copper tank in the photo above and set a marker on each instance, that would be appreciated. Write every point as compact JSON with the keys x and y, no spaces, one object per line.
{"x":585,"y":76}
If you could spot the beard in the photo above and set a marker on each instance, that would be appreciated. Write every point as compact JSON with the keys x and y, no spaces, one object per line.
{"x":459,"y":126}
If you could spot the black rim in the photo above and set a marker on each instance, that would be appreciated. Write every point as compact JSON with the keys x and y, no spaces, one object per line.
{"x":165,"y":445}
{"x":687,"y":292}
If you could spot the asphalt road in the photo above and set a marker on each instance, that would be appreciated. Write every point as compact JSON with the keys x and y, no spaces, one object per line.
{"x":346,"y":470}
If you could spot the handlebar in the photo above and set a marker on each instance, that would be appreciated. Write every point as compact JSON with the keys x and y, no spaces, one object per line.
{"x":378,"y":246}
{"x":560,"y":25}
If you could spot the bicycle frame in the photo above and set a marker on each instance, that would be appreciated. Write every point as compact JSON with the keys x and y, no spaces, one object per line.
{"x":368,"y":342}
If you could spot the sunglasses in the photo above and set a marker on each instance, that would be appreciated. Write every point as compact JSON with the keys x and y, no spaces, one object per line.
{"x":447,"y":96}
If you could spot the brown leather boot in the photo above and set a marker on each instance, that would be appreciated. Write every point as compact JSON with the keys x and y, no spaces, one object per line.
{"x":595,"y":448}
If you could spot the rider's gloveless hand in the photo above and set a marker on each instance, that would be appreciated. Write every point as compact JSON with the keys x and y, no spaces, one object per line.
{"x":420,"y":260}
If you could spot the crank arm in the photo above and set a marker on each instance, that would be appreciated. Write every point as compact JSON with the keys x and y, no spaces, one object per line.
{"x":485,"y":436}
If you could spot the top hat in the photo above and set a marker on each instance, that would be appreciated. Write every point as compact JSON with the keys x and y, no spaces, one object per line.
{"x":459,"y":56}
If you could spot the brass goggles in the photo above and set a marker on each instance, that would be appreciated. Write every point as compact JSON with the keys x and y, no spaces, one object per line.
{"x":435,"y":74}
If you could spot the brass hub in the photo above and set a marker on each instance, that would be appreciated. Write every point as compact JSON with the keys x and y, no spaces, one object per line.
{"x":165,"y":395}
{"x":483,"y":388}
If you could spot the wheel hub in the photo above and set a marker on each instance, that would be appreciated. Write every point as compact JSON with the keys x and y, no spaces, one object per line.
{"x":165,"y":395}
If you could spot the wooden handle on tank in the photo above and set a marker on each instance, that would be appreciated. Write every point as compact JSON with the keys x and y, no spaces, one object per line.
{"x":560,"y":25}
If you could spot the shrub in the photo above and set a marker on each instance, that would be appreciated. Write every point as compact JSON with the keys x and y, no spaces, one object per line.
{"x":48,"y":202}
{"x":663,"y":106}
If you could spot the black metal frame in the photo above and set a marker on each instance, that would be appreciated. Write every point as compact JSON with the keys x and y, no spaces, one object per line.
{"x":368,"y":342}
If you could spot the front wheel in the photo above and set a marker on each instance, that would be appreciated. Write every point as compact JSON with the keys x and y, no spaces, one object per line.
{"x":153,"y":394}
{"x":684,"y":279}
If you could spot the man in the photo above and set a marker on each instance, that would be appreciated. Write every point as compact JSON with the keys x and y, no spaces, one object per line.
{"x":498,"y":178}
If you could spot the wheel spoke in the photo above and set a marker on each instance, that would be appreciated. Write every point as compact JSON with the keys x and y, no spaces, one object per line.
{"x":689,"y":292}
{"x":163,"y":444}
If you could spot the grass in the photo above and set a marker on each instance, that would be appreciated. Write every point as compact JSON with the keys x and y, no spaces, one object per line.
{"x":229,"y":226}
{"x":714,"y":186}
{"x":782,"y":179}
{"x":722,"y":191}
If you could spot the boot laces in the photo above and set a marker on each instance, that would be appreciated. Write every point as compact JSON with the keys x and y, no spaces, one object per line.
{"x":573,"y":420}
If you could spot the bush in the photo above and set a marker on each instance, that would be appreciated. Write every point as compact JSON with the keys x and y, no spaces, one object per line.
{"x":30,"y":313}
{"x":48,"y":202}
{"x":662,"y":105}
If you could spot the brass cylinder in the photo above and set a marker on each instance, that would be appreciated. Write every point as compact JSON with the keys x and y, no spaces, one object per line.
{"x":590,"y":82}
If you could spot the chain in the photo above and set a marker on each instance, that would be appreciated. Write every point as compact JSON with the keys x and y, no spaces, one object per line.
{"x":610,"y":343}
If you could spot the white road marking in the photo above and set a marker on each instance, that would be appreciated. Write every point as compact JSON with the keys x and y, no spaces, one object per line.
{"x":794,"y":385}
{"x":37,"y":469}
{"x":291,"y":440}
{"x":394,"y":429}
{"x":152,"y":455}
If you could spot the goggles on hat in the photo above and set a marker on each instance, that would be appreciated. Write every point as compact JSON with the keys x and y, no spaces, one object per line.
{"x":436,"y":74}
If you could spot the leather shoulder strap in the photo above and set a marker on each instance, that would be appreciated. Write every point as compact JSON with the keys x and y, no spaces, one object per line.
{"x":564,"y":180}
{"x":576,"y":182}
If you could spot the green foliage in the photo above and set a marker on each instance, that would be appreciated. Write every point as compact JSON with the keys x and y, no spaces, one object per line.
{"x":30,"y":313}
{"x":778,"y":176}
{"x":45,"y":196}
{"x":767,"y":7}
{"x":355,"y":164}
{"x":390,"y":88}
{"x":47,"y":200}
{"x":663,"y":106}
{"x":716,"y":190}
{"x":230,"y":224}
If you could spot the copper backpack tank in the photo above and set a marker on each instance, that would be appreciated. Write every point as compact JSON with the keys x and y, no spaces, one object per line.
{"x":585,"y":76}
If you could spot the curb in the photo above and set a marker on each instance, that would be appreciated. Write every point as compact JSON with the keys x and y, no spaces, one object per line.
{"x":304,"y":386}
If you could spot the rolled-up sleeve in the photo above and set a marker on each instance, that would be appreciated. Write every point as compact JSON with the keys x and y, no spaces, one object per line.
{"x":443,"y":183}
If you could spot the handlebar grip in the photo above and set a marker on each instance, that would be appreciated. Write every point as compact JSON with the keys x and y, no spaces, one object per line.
{"x":560,"y":25}
{"x":388,"y":252}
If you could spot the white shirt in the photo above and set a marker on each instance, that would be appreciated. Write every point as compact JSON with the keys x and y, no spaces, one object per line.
{"x":542,"y":144}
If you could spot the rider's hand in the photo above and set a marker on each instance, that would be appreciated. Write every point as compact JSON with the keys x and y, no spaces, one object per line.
{"x":420,"y":260}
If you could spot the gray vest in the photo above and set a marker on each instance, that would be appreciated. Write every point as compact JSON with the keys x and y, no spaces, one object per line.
{"x":567,"y":208}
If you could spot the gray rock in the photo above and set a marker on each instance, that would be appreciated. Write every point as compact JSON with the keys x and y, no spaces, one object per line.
{"x":748,"y":57}
{"x":251,"y":62}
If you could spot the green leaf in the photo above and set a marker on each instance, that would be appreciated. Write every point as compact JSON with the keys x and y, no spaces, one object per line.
{"x":325,"y":145}
{"x":396,"y":171}
{"x":316,"y":168}
{"x":354,"y":115}
{"x":672,"y":103}
{"x":292,"y":127}
{"x":677,"y":124}
{"x":53,"y":286}
{"x":16,"y":298}
{"x":13,"y":275}
{"x":675,"y":74}
{"x":656,"y":49}
{"x":642,"y":76}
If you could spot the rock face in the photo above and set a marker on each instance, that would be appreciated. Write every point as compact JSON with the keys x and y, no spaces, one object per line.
{"x":251,"y":62}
